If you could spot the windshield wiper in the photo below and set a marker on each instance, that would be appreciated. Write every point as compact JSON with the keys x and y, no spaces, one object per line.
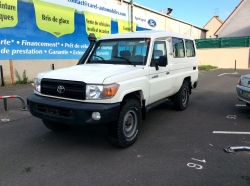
{"x":125,"y":59}
{"x":100,"y":58}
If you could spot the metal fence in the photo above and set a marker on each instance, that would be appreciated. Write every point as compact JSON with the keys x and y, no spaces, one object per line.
{"x":223,"y":42}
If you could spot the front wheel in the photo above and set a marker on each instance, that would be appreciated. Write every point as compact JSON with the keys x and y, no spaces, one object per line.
{"x":55,"y":126}
{"x":181,"y":98}
{"x":125,"y":131}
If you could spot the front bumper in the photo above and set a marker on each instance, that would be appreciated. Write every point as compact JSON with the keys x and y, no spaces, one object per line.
{"x":243,"y":93}
{"x":71,"y":112}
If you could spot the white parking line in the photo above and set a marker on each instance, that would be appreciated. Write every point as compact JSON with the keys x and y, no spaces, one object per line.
{"x":228,"y":73}
{"x":231,"y":116}
{"x":229,"y":132}
{"x":239,"y":105}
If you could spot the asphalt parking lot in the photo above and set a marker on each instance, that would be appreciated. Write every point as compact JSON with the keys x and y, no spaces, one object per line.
{"x":174,"y":148}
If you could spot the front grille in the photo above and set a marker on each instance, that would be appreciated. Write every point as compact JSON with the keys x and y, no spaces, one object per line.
{"x":54,"y":110}
{"x":69,"y":89}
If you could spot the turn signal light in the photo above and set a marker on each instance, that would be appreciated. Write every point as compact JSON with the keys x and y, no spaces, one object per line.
{"x":110,"y":91}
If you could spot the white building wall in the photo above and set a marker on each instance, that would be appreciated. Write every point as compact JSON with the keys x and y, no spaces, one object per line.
{"x":165,"y":22}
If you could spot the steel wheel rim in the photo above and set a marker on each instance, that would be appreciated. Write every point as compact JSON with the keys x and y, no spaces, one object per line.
{"x":130,"y":123}
{"x":184,"y":96}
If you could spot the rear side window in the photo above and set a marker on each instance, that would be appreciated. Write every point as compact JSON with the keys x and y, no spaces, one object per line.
{"x":178,"y":47}
{"x":190,"y":48}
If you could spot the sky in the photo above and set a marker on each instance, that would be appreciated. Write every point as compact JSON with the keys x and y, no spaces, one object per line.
{"x":196,"y":12}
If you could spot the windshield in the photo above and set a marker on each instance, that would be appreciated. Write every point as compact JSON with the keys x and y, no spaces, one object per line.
{"x":121,"y":51}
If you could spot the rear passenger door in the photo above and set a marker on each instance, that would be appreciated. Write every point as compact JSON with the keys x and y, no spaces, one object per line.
{"x":184,"y":61}
{"x":160,"y":82}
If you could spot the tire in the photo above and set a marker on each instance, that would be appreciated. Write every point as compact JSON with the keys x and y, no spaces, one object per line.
{"x":125,"y":131}
{"x":55,"y":126}
{"x":181,"y":98}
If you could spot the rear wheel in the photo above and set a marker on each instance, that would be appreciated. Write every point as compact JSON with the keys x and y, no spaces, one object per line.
{"x":125,"y":131}
{"x":55,"y":126}
{"x":181,"y":98}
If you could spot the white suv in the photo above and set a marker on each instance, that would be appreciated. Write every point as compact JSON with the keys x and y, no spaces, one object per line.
{"x":116,"y":82}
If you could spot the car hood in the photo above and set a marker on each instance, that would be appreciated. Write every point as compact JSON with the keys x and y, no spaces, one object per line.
{"x":246,"y":76}
{"x":88,"y":73}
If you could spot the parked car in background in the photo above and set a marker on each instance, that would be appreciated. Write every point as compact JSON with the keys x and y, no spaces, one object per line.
{"x":243,"y":89}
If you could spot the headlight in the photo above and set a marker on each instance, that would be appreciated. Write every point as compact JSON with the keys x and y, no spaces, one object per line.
{"x":94,"y":92}
{"x":37,"y":84}
{"x":101,"y":91}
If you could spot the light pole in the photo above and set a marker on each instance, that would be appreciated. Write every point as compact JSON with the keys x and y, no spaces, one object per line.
{"x":132,"y":7}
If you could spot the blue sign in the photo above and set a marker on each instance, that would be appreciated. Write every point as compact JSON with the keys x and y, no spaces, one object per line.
{"x":27,"y":41}
{"x":152,"y":23}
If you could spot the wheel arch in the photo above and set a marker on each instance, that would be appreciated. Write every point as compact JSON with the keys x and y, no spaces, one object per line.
{"x":132,"y":93}
{"x":136,"y":94}
{"x":188,"y":79}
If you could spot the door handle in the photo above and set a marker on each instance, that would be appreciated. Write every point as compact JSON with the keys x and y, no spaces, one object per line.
{"x":167,"y":73}
{"x":155,"y":76}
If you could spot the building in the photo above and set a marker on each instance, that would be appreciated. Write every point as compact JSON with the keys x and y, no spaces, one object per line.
{"x":231,"y":49}
{"x":238,"y":22}
{"x":212,"y":26}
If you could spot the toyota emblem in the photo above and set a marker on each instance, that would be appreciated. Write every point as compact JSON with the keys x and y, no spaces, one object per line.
{"x":60,"y":89}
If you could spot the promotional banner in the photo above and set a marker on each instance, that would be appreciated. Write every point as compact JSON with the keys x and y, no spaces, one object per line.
{"x":8,"y":13}
{"x":125,"y":26}
{"x":56,"y":29}
{"x":102,"y":7}
{"x":57,"y":20}
{"x":97,"y":24}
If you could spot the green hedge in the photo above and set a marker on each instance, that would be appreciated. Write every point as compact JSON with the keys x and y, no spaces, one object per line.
{"x":223,"y":42}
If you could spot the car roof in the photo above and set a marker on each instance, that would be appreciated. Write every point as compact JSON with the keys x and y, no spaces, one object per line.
{"x":153,"y":34}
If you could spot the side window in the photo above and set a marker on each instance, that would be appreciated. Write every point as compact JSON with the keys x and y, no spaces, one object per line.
{"x":178,"y":47}
{"x":158,"y":50}
{"x":190,"y":48}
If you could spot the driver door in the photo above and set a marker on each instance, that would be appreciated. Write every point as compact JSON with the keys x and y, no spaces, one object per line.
{"x":160,"y":81}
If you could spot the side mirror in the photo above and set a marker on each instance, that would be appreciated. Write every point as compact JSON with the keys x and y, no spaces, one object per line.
{"x":156,"y":67}
{"x":163,"y":61}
